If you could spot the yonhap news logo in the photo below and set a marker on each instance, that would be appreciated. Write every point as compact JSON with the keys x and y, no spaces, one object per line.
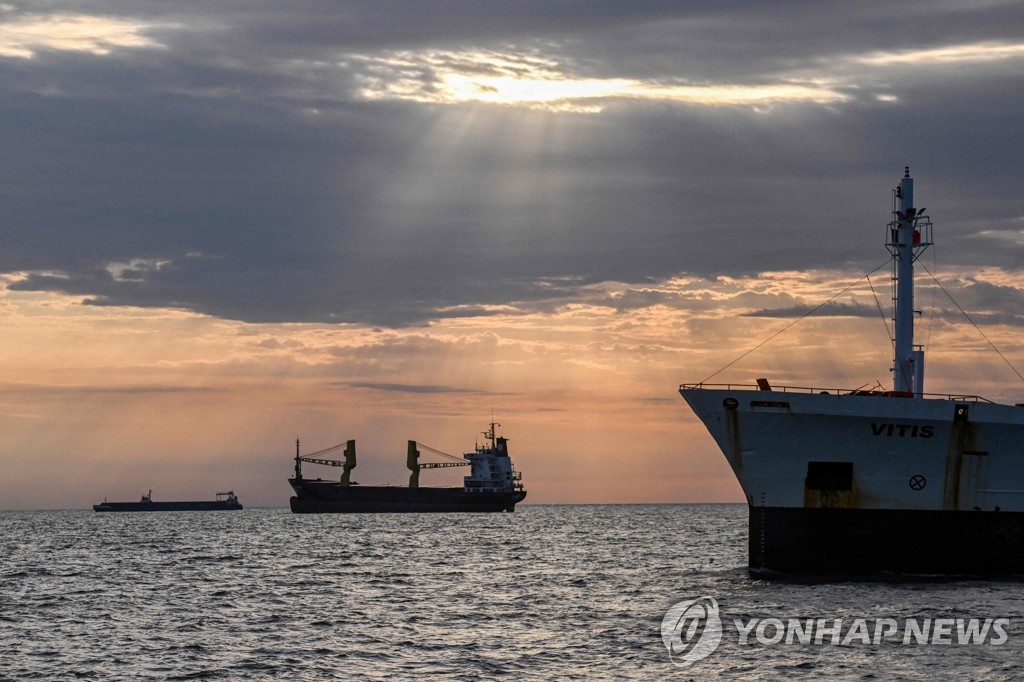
{"x":692,"y":630}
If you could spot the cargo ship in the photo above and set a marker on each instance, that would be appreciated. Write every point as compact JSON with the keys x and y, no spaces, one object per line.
{"x":873,"y":481}
{"x":492,"y":485}
{"x":224,"y":502}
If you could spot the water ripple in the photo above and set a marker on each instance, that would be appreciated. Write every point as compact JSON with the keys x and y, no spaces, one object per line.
{"x":550,"y":592}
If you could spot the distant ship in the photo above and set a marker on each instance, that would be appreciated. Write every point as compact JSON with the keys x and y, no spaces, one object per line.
{"x":224,"y":501}
{"x":856,"y":481}
{"x":492,"y":485}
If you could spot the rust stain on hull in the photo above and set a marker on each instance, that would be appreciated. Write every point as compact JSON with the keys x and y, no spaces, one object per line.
{"x":961,"y":438}
{"x":732,"y":427}
{"x":831,"y":499}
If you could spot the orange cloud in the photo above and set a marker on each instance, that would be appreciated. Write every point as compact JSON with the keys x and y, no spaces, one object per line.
{"x":108,"y":401}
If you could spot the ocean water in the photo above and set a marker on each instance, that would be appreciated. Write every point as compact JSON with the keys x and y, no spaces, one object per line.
{"x":549,"y":592}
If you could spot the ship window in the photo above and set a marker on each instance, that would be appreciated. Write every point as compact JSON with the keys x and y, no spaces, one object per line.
{"x":829,"y":476}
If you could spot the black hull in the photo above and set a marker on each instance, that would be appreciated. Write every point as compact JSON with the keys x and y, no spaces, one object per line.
{"x":166,"y":506}
{"x":322,"y":497}
{"x":872,"y":541}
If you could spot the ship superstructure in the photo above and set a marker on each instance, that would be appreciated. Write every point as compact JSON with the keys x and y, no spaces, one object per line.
{"x":491,"y":467}
{"x":856,"y":481}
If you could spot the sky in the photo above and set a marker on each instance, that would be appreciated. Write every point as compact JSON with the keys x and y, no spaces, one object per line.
{"x":227,"y":225}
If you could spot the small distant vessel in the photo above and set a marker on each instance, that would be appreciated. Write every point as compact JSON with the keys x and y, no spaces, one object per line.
{"x":865,"y":481}
{"x":492,"y":485}
{"x":224,"y":501}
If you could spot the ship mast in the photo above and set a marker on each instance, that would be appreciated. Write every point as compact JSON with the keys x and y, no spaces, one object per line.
{"x":909,"y":234}
{"x":490,"y":435}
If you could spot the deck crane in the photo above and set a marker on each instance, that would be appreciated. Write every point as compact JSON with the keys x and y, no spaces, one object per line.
{"x":413,"y":462}
{"x":348,"y":464}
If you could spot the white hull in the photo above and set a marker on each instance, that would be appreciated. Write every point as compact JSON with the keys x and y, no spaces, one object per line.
{"x":904,"y":453}
{"x":868,"y":484}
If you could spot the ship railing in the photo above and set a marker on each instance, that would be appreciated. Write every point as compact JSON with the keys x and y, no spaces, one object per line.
{"x":836,"y":391}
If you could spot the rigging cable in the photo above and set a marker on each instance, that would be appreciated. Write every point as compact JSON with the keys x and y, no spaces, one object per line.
{"x":931,"y":304}
{"x":325,"y":451}
{"x":881,"y":312}
{"x":438,"y":452}
{"x":964,"y":312}
{"x":807,"y":314}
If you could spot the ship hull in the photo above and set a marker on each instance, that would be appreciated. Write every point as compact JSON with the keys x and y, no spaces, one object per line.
{"x":201,"y":505}
{"x":790,"y":540}
{"x":855,"y":483}
{"x":328,"y":497}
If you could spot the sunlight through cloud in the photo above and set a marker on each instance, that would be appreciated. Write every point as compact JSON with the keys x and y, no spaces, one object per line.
{"x":950,"y":54}
{"x":23,"y":37}
{"x":536,"y":82}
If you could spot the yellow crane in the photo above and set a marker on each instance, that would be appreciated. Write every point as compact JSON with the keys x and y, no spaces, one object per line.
{"x":413,"y":462}
{"x":348,"y":464}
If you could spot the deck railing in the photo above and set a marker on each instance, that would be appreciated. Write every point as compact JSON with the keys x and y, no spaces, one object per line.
{"x":836,"y":391}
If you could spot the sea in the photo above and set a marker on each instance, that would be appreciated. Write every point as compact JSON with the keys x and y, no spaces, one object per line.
{"x":550,"y":592}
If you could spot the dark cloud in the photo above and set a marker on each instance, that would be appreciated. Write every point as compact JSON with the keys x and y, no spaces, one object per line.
{"x":240,"y":156}
{"x":94,"y":389}
{"x":407,"y":388}
{"x":984,"y":296}
{"x":826,"y":310}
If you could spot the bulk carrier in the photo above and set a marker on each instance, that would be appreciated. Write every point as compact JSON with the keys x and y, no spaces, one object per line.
{"x":492,"y":485}
{"x":225,"y":502}
{"x":855,"y":481}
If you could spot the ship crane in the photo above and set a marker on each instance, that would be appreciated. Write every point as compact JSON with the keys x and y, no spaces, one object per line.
{"x":348,"y":464}
{"x":414,"y":465}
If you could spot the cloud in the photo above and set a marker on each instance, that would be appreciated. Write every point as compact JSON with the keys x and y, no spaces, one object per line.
{"x":24,"y":36}
{"x":92,"y":390}
{"x":398,"y":165}
{"x":971,"y":53}
{"x":532,"y":80}
{"x":568,"y":264}
{"x":827,"y":310}
{"x":177,"y":399}
{"x":406,"y":388}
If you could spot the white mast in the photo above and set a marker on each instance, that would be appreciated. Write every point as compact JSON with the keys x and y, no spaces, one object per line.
{"x":909,"y":234}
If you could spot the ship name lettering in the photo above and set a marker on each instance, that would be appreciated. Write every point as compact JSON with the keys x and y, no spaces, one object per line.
{"x":902,"y":430}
